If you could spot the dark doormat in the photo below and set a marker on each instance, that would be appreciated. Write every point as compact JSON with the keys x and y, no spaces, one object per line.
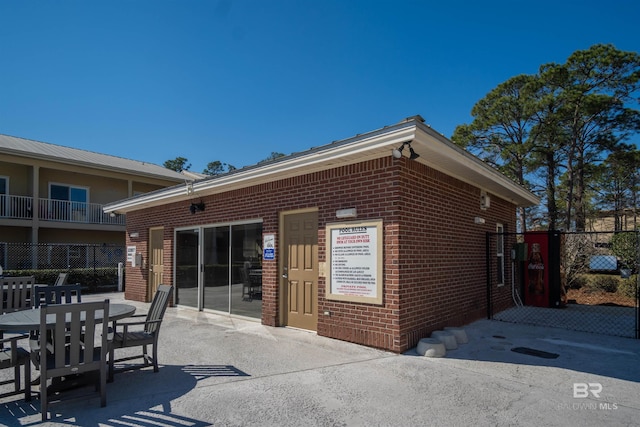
{"x":536,"y":353}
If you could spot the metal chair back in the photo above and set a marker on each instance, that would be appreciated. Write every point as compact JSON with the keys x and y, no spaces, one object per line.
{"x":83,"y":347}
{"x":157,"y":309}
{"x":62,"y":294}
{"x":61,"y":279}
{"x":16,"y":293}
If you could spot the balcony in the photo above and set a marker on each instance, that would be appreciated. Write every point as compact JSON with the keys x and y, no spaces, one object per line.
{"x":21,"y":207}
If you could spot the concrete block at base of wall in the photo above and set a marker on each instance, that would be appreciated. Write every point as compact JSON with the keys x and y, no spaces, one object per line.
{"x":459,"y":333}
{"x":447,"y":338}
{"x":431,"y":347}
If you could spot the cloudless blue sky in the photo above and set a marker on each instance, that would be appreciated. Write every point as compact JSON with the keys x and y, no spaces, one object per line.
{"x":234,"y":80}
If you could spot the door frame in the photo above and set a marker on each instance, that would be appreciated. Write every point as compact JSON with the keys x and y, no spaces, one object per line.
{"x":152,"y":232}
{"x":282,"y":285}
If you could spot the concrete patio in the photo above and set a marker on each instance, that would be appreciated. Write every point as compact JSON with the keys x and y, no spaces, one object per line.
{"x":222,"y":371}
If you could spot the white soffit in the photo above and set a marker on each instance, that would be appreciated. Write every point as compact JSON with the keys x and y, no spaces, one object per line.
{"x":441,"y":154}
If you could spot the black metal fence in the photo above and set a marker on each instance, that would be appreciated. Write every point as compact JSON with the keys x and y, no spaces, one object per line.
{"x":95,"y":267}
{"x":580,"y":281}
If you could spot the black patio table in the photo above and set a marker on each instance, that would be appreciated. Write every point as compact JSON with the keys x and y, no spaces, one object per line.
{"x":29,"y":320}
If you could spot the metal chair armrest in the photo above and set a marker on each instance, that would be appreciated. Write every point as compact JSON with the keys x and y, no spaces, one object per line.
{"x":13,"y":338}
{"x":14,"y":346}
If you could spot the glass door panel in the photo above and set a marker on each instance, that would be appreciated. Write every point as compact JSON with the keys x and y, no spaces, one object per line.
{"x":246,"y":272}
{"x":187,"y":246}
{"x":78,"y":199}
{"x":216,"y":268}
{"x":3,"y":196}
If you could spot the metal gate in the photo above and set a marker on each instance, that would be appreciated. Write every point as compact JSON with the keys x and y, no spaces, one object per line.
{"x":580,"y":281}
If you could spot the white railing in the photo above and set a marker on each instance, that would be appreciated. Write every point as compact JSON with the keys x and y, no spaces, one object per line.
{"x":21,"y":207}
{"x":18,"y":207}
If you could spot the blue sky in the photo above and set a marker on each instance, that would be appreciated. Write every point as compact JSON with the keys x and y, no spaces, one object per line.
{"x":234,"y":80}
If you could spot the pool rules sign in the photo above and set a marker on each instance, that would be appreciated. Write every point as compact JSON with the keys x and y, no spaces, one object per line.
{"x":354,"y":258}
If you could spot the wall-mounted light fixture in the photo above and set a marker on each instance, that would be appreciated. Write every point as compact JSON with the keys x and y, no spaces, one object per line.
{"x":195,"y":207}
{"x":134,"y":235}
{"x":346,"y":213}
{"x":112,"y":214}
{"x":485,"y":200}
{"x":397,"y":152}
{"x":478,"y":220}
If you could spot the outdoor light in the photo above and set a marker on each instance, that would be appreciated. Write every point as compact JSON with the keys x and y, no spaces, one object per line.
{"x":196,"y":207}
{"x":397,"y":152}
{"x":346,"y":213}
{"x":412,"y":154}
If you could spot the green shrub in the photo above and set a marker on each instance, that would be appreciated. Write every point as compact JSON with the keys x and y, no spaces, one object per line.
{"x":603,"y":283}
{"x":577,"y":282}
{"x":625,"y":245}
{"x":627,"y":287}
{"x":92,"y":280}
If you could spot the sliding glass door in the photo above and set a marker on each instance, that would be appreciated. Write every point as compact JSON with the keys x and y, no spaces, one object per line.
{"x":186,"y":267}
{"x":246,"y":273}
{"x":216,"y":268}
{"x":220,"y":268}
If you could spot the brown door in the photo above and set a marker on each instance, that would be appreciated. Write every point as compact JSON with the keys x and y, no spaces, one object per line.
{"x":300,"y":270}
{"x":156,"y":255}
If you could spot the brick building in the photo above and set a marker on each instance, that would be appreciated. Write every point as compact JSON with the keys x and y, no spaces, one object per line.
{"x":378,"y":239}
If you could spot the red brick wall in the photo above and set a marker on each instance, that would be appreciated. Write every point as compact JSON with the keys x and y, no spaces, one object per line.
{"x":442,"y":266}
{"x":434,"y":262}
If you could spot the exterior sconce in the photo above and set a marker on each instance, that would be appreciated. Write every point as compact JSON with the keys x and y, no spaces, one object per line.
{"x":195,"y":207}
{"x":134,"y":235}
{"x":346,"y":213}
{"x":397,"y":152}
{"x":485,"y":201}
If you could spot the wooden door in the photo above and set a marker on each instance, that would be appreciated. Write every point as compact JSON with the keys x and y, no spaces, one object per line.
{"x":156,"y":263}
{"x":300,"y":270}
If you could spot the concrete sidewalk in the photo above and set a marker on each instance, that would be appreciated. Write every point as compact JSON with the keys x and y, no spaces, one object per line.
{"x":221,"y":371}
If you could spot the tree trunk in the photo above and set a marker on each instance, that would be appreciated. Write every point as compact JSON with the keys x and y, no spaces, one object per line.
{"x":580,"y":215}
{"x":552,"y":207}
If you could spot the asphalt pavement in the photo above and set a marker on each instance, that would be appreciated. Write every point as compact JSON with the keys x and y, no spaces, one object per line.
{"x":223,"y":371}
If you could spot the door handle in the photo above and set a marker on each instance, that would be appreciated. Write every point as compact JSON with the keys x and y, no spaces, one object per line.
{"x":285,"y":275}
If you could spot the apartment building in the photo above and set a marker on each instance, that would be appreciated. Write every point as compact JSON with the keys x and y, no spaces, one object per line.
{"x":52,"y":194}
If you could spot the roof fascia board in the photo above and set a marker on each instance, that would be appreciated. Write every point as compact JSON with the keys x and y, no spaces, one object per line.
{"x":96,"y":166}
{"x":358,"y":148}
{"x":271,"y":171}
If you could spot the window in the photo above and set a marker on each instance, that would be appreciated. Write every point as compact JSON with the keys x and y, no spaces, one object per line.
{"x":500,"y":254}
{"x":68,"y":202}
{"x":220,"y":268}
{"x":68,"y":193}
{"x":4,"y":190}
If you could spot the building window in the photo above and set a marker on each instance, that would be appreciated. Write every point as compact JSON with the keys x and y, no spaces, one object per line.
{"x":220,"y":268}
{"x":500,"y":254}
{"x":68,"y":193}
{"x":4,"y":199}
{"x":68,"y":203}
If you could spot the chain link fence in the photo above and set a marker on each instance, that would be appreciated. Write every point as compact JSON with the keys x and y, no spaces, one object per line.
{"x":95,"y":267}
{"x":579,"y":281}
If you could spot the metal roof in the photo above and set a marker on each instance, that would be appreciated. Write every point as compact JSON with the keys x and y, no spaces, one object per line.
{"x":74,"y":156}
{"x":435,"y":151}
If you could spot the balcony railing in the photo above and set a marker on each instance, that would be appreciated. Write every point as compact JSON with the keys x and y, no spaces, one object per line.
{"x":21,"y":207}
